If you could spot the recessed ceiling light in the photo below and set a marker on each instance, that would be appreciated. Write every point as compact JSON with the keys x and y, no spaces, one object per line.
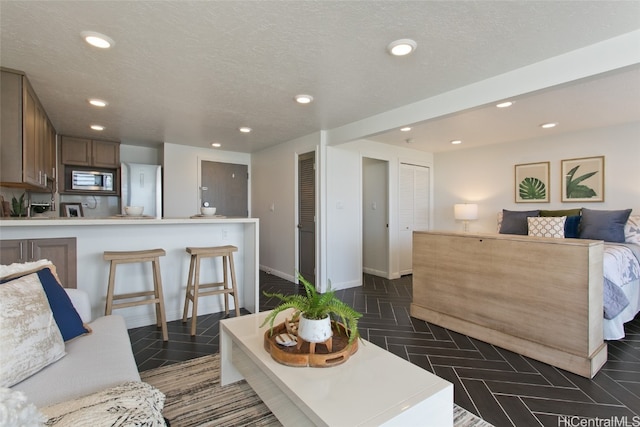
{"x":456,"y":142}
{"x":216,"y":145}
{"x":97,"y":127}
{"x":401,"y":47}
{"x":97,"y":102}
{"x":505,"y":104}
{"x":548,"y":125}
{"x":405,"y":129}
{"x":97,"y":39}
{"x":244,"y":129}
{"x":303,"y":99}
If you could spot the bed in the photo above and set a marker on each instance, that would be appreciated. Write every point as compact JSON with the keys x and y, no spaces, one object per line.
{"x":621,"y":287}
{"x":542,"y":297}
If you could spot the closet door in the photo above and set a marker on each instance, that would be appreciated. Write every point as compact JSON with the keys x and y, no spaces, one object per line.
{"x":413,"y":212}
{"x":307,"y":216}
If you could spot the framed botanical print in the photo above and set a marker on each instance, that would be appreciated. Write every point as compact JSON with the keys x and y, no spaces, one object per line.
{"x":532,"y":183}
{"x":583,"y":179}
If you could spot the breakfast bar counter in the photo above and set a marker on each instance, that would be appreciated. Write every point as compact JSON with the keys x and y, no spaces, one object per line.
{"x":94,"y":236}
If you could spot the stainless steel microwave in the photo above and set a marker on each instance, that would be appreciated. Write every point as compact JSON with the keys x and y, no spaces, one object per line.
{"x":91,"y":180}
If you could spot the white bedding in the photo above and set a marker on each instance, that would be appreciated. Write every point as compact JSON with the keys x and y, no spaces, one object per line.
{"x":614,"y":328}
{"x":622,"y":269}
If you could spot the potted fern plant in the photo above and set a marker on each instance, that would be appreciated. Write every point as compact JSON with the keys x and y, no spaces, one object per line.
{"x":315,"y":307}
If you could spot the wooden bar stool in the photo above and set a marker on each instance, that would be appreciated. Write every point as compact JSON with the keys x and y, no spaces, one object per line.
{"x":129,"y":257}
{"x":194,"y":287}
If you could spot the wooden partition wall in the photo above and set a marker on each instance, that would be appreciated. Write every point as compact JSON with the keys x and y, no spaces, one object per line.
{"x":539,"y":297}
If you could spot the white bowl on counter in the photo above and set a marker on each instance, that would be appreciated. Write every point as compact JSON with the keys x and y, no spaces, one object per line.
{"x":134,"y":210}
{"x":207,"y":211}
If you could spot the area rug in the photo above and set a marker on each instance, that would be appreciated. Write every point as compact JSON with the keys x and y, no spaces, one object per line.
{"x":195,"y":398}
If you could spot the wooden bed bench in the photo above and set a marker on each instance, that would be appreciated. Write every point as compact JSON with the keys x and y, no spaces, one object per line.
{"x":539,"y":297}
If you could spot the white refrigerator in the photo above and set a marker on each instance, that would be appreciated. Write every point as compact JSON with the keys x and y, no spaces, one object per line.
{"x":142,"y":186}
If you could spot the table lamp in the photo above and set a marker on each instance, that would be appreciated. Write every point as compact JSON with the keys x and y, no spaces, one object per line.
{"x":465,"y":212}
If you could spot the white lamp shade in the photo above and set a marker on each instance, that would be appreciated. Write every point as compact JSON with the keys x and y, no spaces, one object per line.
{"x":465,"y":211}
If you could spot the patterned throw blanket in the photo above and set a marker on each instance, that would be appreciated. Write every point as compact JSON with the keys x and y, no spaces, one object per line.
{"x":621,"y":265}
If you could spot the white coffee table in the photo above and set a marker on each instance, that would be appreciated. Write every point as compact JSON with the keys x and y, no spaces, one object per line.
{"x":372,"y":388}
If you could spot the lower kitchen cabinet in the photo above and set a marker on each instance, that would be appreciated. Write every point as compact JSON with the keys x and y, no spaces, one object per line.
{"x":60,"y":251}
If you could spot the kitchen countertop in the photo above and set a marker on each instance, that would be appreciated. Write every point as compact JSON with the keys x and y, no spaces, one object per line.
{"x":65,"y":221}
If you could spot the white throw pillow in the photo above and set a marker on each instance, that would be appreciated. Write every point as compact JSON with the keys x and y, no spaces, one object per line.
{"x":22,"y":267}
{"x":132,"y":403}
{"x":15,"y":410}
{"x":29,"y":334}
{"x":546,"y":226}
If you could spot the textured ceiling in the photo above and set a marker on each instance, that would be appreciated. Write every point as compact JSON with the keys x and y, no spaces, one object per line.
{"x":192,"y":72}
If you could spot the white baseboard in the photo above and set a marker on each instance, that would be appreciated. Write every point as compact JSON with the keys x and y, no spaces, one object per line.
{"x":277,"y":273}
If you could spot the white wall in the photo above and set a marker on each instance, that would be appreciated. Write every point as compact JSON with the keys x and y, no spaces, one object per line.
{"x":344,"y":218}
{"x":137,"y":154}
{"x":349,"y":157}
{"x":274,"y":172}
{"x":486,"y":175}
{"x":339,"y":198}
{"x":181,"y":175}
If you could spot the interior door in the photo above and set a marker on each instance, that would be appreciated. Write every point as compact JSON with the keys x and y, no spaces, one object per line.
{"x":225,"y":187}
{"x":307,"y":216}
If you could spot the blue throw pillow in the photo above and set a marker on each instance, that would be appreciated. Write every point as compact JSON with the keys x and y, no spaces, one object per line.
{"x":604,"y":225}
{"x":572,"y":227}
{"x":515,"y":222}
{"x":64,"y":313}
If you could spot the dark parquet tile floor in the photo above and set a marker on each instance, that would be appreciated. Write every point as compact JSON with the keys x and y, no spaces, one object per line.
{"x":502,"y":387}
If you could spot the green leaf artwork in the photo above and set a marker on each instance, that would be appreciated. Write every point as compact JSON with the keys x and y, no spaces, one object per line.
{"x":575,"y":190}
{"x":532,"y":189}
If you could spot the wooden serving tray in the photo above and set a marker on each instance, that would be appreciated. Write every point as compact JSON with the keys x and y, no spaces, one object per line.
{"x":322,"y":358}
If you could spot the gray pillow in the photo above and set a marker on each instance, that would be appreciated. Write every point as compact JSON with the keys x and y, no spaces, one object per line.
{"x":515,"y":222}
{"x":604,"y":225}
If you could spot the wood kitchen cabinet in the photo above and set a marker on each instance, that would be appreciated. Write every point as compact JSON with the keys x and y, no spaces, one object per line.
{"x":27,"y":136}
{"x":60,"y":251}
{"x":89,"y":152}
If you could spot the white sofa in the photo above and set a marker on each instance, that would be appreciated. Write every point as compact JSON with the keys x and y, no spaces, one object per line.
{"x":94,"y":362}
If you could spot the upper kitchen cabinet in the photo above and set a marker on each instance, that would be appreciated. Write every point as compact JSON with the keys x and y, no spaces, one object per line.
{"x":88,"y":152}
{"x":27,"y":136}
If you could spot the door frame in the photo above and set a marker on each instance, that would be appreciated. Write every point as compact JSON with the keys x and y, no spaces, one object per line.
{"x":387,"y":207}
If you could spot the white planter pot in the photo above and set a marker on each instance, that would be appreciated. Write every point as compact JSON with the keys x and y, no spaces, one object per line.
{"x":316,"y":331}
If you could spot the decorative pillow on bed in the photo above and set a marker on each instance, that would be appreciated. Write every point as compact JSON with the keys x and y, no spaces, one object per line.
{"x":515,"y":222}
{"x":604,"y":225}
{"x":551,"y":226}
{"x":632,"y":230}
{"x":572,"y":227}
{"x":29,"y":334}
{"x":131,"y":403}
{"x":64,"y":313}
{"x":561,"y":212}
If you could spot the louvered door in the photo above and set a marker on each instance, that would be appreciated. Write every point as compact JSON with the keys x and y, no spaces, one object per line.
{"x":307,"y":216}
